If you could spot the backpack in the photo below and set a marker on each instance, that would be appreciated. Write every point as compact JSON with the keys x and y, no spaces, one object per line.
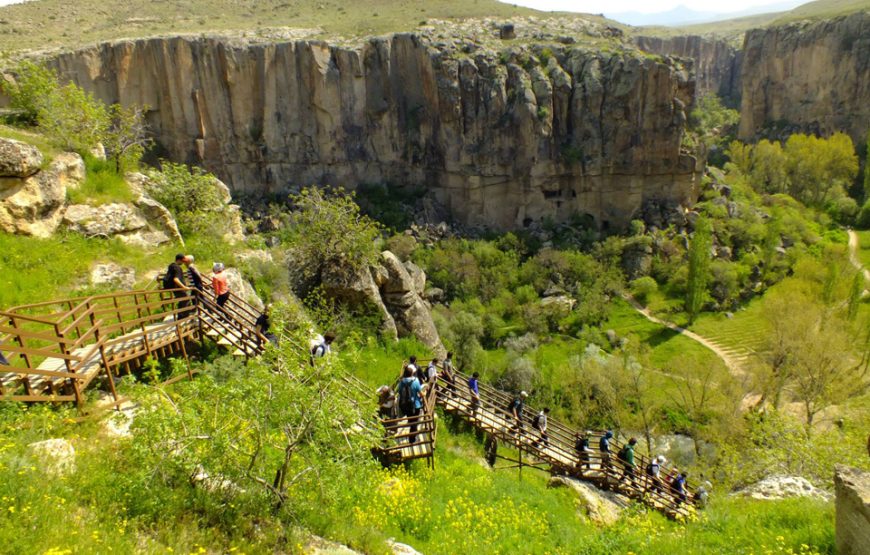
{"x":650,"y":469}
{"x":167,"y":282}
{"x":623,"y":453}
{"x":406,"y":403}
{"x":536,"y":422}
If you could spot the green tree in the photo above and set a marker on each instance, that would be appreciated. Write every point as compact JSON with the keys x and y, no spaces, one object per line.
{"x":699,"y":267}
{"x":855,"y":292}
{"x":769,"y":173}
{"x":28,"y":92}
{"x":73,"y":118}
{"x":192,"y":195}
{"x":867,"y":172}
{"x":126,"y":138}
{"x":820,"y":169}
{"x":329,"y":232}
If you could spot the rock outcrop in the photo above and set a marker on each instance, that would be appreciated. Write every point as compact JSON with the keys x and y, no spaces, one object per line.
{"x":502,"y":138}
{"x":715,"y":61}
{"x":113,"y":275}
{"x":599,"y":506}
{"x":55,"y":457}
{"x":853,"y":510}
{"x":34,"y":205}
{"x":807,"y":76}
{"x":18,"y":159}
{"x":782,"y":487}
{"x":242,"y":288}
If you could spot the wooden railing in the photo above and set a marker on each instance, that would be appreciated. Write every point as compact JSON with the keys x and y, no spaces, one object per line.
{"x":492,"y":416}
{"x":400,"y":430}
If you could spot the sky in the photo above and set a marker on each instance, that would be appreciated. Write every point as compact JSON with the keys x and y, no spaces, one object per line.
{"x":645,"y":6}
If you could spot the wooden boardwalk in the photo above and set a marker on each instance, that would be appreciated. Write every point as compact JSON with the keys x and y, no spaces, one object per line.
{"x":557,"y":453}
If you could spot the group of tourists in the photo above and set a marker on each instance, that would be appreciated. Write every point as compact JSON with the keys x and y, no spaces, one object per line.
{"x":407,"y":401}
{"x":176,"y":278}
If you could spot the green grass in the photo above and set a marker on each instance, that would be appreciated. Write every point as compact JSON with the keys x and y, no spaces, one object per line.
{"x":102,"y":185}
{"x":51,"y":23}
{"x":668,"y":347}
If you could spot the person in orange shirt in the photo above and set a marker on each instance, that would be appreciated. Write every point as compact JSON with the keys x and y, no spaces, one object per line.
{"x":220,"y":285}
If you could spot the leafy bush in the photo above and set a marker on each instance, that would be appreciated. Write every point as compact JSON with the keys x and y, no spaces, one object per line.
{"x":643,"y":287}
{"x":33,"y":85}
{"x":193,"y":196}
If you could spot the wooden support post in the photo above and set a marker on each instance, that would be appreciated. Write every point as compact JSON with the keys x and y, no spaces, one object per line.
{"x":107,"y":368}
{"x":22,"y":343}
{"x":118,"y":315}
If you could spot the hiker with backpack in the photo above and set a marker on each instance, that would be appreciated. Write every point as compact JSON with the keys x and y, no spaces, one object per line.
{"x":515,"y":408}
{"x":263,"y":325}
{"x":581,"y":446}
{"x":539,"y":422}
{"x":473,"y":388}
{"x":321,"y":348}
{"x":604,"y":447}
{"x":653,"y":473}
{"x":626,"y":456}
{"x":702,"y":494}
{"x":174,"y":279}
{"x":679,"y":487}
{"x":410,"y":401}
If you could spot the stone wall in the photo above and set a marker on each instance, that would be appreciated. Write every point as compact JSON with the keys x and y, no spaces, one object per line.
{"x":498,"y":137}
{"x":807,"y":76}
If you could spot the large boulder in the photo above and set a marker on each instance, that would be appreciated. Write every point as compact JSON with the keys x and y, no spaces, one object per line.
{"x":158,"y":216}
{"x":55,"y":457}
{"x":409,"y":309}
{"x":114,"y":275}
{"x":853,"y":510}
{"x":782,"y":487}
{"x":18,"y":159}
{"x":242,"y":288}
{"x":599,"y":506}
{"x":34,"y":205}
{"x":106,"y":220}
{"x":357,"y":288}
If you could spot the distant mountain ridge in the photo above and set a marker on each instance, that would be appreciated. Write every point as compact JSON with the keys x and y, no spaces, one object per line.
{"x":683,"y":15}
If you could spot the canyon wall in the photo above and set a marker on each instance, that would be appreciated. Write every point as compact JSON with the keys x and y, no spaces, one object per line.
{"x":716,"y":62}
{"x":811,"y":77}
{"x":500,"y":138}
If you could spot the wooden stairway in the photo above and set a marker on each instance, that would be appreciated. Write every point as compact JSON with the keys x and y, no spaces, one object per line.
{"x":492,"y":417}
{"x":56,"y":349}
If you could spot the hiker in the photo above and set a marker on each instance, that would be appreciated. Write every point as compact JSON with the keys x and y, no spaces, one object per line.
{"x":193,"y":272}
{"x":321,"y":348}
{"x":263,"y":323}
{"x":447,"y":373}
{"x":475,"y":393}
{"x":515,"y":408}
{"x":581,"y":445}
{"x":679,"y":487}
{"x":653,"y":473}
{"x":415,"y":370}
{"x":220,"y":285}
{"x":604,"y":447}
{"x":539,"y":422}
{"x":174,"y":279}
{"x":3,"y":360}
{"x":702,"y":494}
{"x":432,"y":371}
{"x":410,"y":402}
{"x":386,"y":402}
{"x":626,"y":456}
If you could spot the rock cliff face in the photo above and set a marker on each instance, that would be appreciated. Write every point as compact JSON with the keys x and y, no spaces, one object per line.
{"x":812,"y":77}
{"x":853,"y":510}
{"x":716,"y":62}
{"x":500,"y":138}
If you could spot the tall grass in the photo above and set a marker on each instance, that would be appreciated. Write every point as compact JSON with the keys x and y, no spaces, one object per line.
{"x":102,"y":185}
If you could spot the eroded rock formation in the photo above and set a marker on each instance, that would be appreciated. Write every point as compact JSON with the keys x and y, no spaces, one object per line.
{"x":500,"y":138}
{"x":716,"y":62}
{"x":853,"y":510}
{"x":812,"y":77}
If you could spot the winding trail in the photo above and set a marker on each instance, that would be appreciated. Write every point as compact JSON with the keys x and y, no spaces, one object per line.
{"x":734,"y":366}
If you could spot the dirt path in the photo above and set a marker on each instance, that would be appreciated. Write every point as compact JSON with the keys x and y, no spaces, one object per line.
{"x":853,"y":255}
{"x":731,"y":363}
